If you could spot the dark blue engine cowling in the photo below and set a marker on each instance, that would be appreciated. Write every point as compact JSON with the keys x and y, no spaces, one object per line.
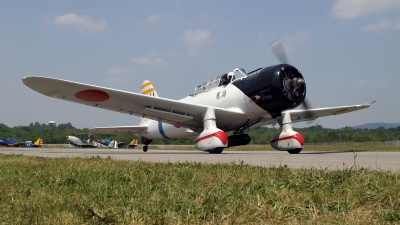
{"x":275,"y":88}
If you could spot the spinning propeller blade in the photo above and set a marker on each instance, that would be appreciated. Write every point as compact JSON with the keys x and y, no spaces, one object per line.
{"x":279,"y":51}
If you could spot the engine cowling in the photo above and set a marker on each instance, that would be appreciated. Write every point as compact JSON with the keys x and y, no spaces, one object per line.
{"x":275,"y":88}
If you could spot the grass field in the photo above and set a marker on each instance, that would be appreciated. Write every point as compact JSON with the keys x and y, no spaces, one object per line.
{"x":104,"y":191}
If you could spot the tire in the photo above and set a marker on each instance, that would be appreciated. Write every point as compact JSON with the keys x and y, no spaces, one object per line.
{"x":145,"y":148}
{"x":295,"y":151}
{"x":216,"y":151}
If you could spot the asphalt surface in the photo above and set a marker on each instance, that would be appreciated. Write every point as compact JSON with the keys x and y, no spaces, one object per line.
{"x":386,"y":161}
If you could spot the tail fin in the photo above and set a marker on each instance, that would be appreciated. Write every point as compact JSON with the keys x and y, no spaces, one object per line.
{"x":148,"y":89}
{"x":39,"y":142}
{"x":113,"y":144}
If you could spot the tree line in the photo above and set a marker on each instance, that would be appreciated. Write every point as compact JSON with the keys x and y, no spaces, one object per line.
{"x":57,"y":134}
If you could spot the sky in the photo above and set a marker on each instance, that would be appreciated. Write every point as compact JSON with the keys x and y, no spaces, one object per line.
{"x":347,"y":50}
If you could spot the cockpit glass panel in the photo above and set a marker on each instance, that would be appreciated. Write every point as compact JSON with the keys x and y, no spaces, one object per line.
{"x":238,"y":74}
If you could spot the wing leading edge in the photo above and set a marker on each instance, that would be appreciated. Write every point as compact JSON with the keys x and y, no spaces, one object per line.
{"x":161,"y":109}
{"x":300,"y":115}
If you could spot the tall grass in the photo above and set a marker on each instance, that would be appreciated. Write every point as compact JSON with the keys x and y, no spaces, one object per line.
{"x":104,"y":191}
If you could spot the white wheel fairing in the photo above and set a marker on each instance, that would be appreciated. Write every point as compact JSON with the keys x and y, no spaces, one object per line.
{"x":288,"y":140}
{"x":211,"y":139}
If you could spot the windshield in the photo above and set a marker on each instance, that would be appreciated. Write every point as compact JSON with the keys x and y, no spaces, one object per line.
{"x":239,"y":73}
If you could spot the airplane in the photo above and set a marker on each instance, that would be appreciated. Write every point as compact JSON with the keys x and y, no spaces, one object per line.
{"x":106,"y":143}
{"x":80,"y":140}
{"x":134,"y":143}
{"x":232,"y":102}
{"x":10,"y":142}
{"x":7,"y":141}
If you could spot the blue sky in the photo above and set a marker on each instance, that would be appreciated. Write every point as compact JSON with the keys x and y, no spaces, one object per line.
{"x":347,"y":50}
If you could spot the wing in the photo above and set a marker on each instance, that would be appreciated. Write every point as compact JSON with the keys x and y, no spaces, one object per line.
{"x":300,"y":115}
{"x":156,"y":108}
{"x":123,"y":130}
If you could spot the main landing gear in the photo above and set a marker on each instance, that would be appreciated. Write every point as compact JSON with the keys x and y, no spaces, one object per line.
{"x":215,"y":151}
{"x":295,"y":151}
{"x":146,"y":143}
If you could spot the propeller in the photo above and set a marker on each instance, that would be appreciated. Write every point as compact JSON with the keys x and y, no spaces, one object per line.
{"x":279,"y":51}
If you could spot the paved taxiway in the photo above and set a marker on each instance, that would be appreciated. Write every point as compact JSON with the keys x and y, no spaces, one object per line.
{"x":320,"y":160}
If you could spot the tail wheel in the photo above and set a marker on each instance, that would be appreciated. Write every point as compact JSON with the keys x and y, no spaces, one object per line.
{"x":216,"y":151}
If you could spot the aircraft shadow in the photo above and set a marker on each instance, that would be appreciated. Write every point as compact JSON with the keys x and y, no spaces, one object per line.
{"x":331,"y":152}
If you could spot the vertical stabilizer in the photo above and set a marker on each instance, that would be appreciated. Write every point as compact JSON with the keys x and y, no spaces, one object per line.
{"x":39,"y":143}
{"x":148,"y":89}
{"x":113,"y":144}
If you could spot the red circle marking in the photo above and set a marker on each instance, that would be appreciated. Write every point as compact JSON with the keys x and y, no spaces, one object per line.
{"x":92,"y":95}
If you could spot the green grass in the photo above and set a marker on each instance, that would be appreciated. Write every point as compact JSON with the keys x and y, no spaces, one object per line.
{"x":37,"y":190}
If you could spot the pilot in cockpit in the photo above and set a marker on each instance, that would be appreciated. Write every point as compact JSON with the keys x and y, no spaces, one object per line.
{"x":231,"y":76}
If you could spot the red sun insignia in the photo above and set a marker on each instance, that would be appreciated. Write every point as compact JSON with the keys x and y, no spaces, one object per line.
{"x":92,"y":95}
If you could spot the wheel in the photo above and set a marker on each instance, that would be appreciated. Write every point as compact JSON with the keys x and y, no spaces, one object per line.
{"x":145,"y":148}
{"x":295,"y":151}
{"x":216,"y":151}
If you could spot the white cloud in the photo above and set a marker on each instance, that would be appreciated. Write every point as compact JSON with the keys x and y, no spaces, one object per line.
{"x":371,"y":84}
{"x":159,"y":62}
{"x":158,"y":18}
{"x":382,"y":25}
{"x":7,"y":86}
{"x":293,"y":42}
{"x":196,"y":39}
{"x":350,"y":9}
{"x":82,"y":23}
{"x":117,"y":76}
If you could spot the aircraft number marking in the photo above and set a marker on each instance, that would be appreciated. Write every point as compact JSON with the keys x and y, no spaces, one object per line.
{"x":221,"y":95}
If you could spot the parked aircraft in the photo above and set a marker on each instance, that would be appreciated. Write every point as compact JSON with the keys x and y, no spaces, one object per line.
{"x":232,"y":102}
{"x":7,"y":141}
{"x":81,"y":140}
{"x":106,"y":143}
{"x":134,"y":143}
{"x":10,"y":142}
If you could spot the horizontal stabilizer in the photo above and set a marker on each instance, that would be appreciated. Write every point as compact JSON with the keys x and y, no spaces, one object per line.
{"x":119,"y":130}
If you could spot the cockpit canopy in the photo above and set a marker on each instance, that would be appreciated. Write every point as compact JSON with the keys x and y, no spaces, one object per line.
{"x":236,"y":74}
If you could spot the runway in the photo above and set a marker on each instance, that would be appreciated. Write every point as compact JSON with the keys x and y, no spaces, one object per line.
{"x":381,"y":161}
